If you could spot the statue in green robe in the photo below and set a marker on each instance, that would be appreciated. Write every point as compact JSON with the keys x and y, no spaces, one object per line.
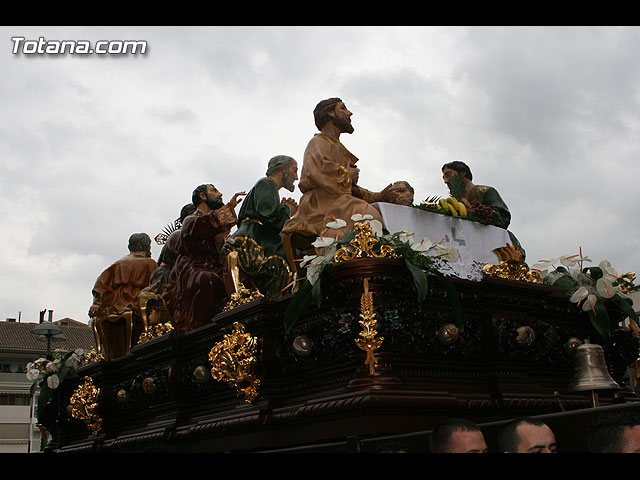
{"x":477,"y":197}
{"x":257,"y":244}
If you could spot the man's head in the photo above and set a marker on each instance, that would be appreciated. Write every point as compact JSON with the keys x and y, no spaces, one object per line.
{"x":289,"y":168}
{"x":615,"y":432}
{"x":140,"y":242}
{"x":451,"y":169}
{"x":457,"y":435}
{"x":208,"y":194}
{"x":333,"y":110}
{"x":527,"y":435}
{"x":404,"y":192}
{"x":185,"y":211}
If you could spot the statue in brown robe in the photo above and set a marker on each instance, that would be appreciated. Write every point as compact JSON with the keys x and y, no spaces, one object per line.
{"x":195,"y":291}
{"x":328,"y":180}
{"x":115,"y":297}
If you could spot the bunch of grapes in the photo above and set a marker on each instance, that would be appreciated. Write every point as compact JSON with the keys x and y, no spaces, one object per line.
{"x":484,"y":213}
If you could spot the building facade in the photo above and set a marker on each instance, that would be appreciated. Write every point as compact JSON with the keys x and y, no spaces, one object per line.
{"x":19,"y":346}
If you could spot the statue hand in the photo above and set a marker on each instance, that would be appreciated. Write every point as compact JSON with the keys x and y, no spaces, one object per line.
{"x":236,"y":199}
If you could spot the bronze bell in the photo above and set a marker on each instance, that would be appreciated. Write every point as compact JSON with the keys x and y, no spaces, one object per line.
{"x":591,"y":370}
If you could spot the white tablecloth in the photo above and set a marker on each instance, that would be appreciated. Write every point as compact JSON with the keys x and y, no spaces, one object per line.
{"x":474,"y":241}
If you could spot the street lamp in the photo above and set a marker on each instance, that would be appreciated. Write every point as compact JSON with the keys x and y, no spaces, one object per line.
{"x":48,"y":331}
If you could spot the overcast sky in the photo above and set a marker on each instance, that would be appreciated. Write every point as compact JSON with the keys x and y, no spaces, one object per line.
{"x":96,"y":147}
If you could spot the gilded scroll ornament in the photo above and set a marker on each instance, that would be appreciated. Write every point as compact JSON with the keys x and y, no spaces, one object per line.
{"x":364,"y":244}
{"x":241,"y":296}
{"x":511,"y":266}
{"x":233,"y":361}
{"x":369,"y":340}
{"x":155,"y":331}
{"x":84,"y":405}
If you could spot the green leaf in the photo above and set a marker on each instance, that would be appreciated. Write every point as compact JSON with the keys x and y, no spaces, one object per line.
{"x":454,"y":299}
{"x":419,"y":280}
{"x":43,"y":398}
{"x":596,"y":272}
{"x":566,"y":284}
{"x":316,"y":292}
{"x":298,"y":304}
{"x":624,"y":305}
{"x":347,"y":238}
{"x":600,"y":320}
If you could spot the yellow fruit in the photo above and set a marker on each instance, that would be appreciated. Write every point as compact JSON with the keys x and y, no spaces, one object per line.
{"x":453,"y":210}
{"x":453,"y":201}
{"x":443,"y":204}
{"x":462,"y":209}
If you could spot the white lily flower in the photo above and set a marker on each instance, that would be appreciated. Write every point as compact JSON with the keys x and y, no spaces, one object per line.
{"x":306,"y":259}
{"x":579,"y":295}
{"x":605,"y":288}
{"x":358,"y":217}
{"x":590,"y":302}
{"x":607,"y":269}
{"x":337,"y":224}
{"x":422,"y":246}
{"x":376,"y":227}
{"x":405,"y":237}
{"x":53,"y":381}
{"x":52,"y":367}
{"x":323,"y":242}
{"x":448,"y":253}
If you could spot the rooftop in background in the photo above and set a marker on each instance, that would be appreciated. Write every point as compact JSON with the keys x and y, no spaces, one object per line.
{"x":17,"y":336}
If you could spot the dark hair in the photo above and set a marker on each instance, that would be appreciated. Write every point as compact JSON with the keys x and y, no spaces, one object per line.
{"x":606,"y":431}
{"x":187,"y":210}
{"x":459,"y":167}
{"x":508,"y":438}
{"x":195,"y":196}
{"x":277,"y":163}
{"x":139,"y":242}
{"x":321,"y":112}
{"x":441,"y":435}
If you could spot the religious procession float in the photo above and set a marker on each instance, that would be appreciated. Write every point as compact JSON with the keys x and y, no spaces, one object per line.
{"x":355,"y":324}
{"x":386,"y":337}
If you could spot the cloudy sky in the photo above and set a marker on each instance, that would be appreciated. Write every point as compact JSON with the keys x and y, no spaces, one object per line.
{"x":96,"y":147}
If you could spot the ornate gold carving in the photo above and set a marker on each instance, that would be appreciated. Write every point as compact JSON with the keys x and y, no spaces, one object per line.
{"x":84,"y":405}
{"x":242,"y":296}
{"x":233,"y":361}
{"x":244,"y":254}
{"x":369,"y":340}
{"x":92,"y":356}
{"x":155,"y":331}
{"x":363,"y":245}
{"x":512,"y":266}
{"x":512,"y":271}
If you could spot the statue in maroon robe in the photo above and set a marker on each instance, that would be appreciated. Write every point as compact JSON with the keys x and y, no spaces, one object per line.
{"x":195,"y":292}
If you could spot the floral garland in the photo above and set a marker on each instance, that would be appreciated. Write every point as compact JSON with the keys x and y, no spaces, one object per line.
{"x":595,"y":289}
{"x":415,"y":254}
{"x":48,"y":374}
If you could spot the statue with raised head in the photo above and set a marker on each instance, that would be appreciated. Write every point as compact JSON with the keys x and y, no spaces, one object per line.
{"x":195,"y":291}
{"x":329,"y":176}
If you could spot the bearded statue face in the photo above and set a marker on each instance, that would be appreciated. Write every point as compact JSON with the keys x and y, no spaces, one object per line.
{"x":341,"y":118}
{"x":289,"y":176}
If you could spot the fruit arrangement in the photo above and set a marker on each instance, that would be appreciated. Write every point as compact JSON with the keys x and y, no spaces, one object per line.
{"x":485,"y":214}
{"x":451,"y":206}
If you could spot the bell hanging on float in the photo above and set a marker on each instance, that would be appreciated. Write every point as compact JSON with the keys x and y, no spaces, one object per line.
{"x":591,"y":372}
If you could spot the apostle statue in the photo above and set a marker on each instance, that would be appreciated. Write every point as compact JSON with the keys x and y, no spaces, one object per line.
{"x":328,"y":180}
{"x":257,"y":244}
{"x":195,"y":291}
{"x":482,"y":200}
{"x":115,"y":298}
